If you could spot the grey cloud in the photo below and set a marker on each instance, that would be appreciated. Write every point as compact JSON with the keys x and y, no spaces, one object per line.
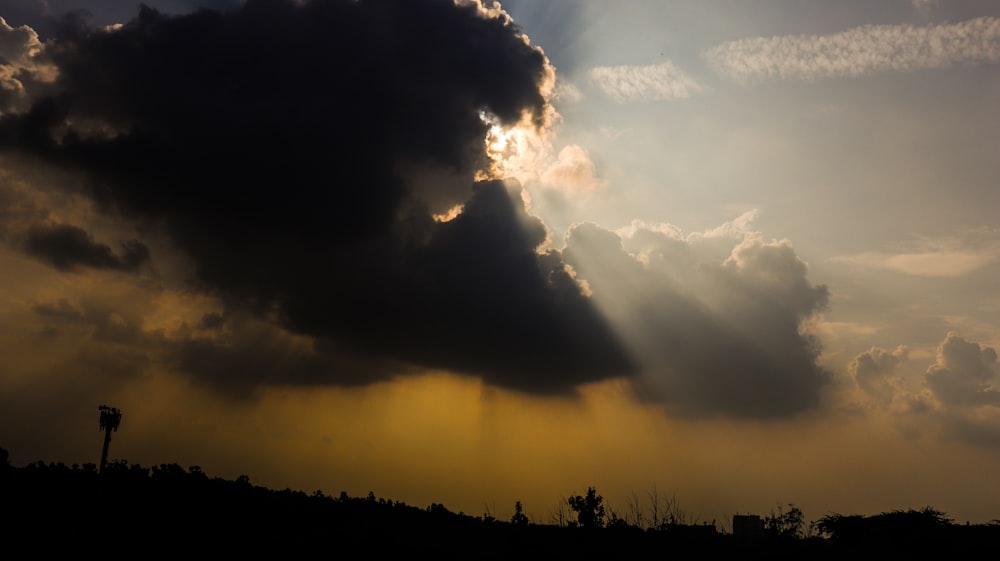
{"x":962,"y":373}
{"x":26,"y":225}
{"x":104,"y":322}
{"x":116,"y":362}
{"x":114,"y":327}
{"x":872,"y":371}
{"x":976,"y":431}
{"x":17,"y":210}
{"x":250,"y":353}
{"x":712,"y":337}
{"x":61,"y":309}
{"x":957,"y":397}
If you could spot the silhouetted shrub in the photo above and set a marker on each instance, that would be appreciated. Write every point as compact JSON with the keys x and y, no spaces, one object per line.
{"x":589,"y":509}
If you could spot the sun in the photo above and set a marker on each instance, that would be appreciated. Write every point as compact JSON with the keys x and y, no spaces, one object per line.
{"x":517,"y":151}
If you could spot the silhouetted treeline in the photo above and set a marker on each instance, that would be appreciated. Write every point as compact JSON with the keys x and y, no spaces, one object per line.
{"x":910,"y":533}
{"x":135,"y":511}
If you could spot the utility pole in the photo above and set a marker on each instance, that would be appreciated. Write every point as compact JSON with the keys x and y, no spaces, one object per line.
{"x":110,"y":419}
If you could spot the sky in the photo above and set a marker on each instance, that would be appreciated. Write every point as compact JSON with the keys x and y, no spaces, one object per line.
{"x":743,"y":253}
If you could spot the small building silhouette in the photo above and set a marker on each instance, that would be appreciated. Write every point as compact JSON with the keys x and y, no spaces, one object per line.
{"x":747,"y":526}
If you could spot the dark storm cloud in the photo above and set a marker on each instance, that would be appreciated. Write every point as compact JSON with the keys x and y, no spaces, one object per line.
{"x":474,"y":297}
{"x":212,"y":321}
{"x":57,"y":18}
{"x":67,"y":247}
{"x":296,"y":152}
{"x":241,"y":354}
{"x":538,"y":335}
{"x":712,"y":336}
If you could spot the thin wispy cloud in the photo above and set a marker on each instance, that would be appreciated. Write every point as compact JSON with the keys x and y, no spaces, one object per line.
{"x":924,"y":6}
{"x":935,"y":257}
{"x":924,"y":264}
{"x":654,"y":82}
{"x":861,"y":51}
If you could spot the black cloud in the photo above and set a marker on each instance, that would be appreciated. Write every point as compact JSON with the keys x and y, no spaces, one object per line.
{"x":296,"y":152}
{"x":473,"y":296}
{"x":68,"y":247}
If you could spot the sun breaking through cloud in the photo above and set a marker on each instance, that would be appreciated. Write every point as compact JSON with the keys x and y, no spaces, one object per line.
{"x":317,"y":208}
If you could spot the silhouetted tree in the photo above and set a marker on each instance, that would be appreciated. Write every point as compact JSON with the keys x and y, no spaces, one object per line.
{"x":560,"y":516}
{"x":634,"y":515}
{"x":519,"y":519}
{"x":784,"y":524}
{"x":615,"y":521}
{"x":589,"y":509}
{"x":840,"y":526}
{"x":111,"y":418}
{"x":654,"y":507}
{"x":674,"y":515}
